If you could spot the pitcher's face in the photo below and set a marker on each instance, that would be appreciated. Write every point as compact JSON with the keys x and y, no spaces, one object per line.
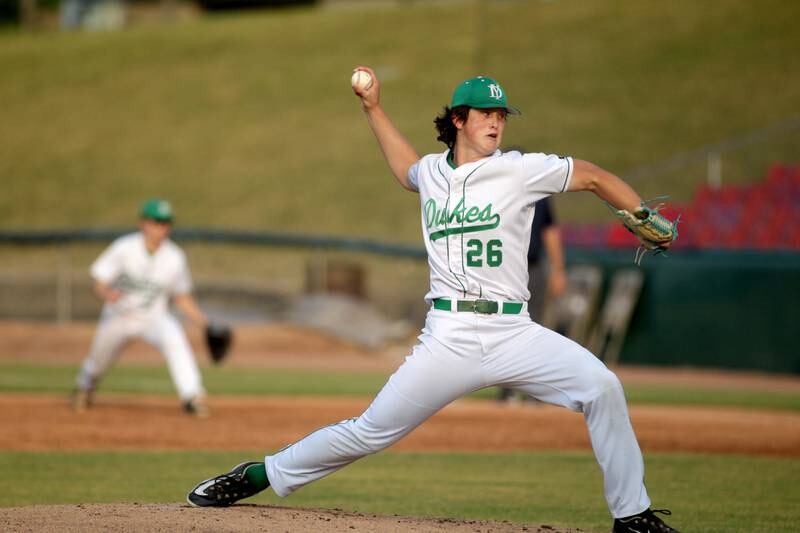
{"x":483,"y":130}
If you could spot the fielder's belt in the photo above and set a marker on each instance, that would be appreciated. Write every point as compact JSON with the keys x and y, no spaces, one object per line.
{"x":484,"y":307}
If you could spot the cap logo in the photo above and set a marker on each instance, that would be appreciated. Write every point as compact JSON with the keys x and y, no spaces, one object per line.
{"x":495,"y":91}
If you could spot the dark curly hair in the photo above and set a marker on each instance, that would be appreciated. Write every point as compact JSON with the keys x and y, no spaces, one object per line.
{"x":444,"y":123}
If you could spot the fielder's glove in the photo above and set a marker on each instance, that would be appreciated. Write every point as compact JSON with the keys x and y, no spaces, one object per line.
{"x":654,"y":231}
{"x":218,"y":340}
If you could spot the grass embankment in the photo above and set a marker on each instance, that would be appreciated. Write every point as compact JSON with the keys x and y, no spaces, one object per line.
{"x":248,"y":121}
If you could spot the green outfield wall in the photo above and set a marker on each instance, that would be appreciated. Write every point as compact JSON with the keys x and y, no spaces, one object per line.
{"x":720,"y":309}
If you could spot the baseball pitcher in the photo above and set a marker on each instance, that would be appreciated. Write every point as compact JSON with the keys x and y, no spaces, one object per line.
{"x":476,"y":207}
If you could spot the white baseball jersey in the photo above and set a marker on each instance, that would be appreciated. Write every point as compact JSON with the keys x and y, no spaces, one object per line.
{"x":146,"y":280}
{"x":476,"y":220}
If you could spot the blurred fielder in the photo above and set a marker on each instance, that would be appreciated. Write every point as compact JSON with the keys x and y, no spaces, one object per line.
{"x":136,"y":277}
{"x":477,"y":205}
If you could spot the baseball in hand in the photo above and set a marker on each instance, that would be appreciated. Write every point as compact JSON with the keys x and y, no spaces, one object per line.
{"x":361,"y":80}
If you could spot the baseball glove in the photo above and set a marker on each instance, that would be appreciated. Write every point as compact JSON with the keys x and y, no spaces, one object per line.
{"x":218,"y":340}
{"x":654,"y":231}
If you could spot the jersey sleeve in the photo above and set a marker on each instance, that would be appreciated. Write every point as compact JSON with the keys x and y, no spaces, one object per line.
{"x":413,"y":175}
{"x":183,"y":278}
{"x":546,"y":174}
{"x":108,"y":266}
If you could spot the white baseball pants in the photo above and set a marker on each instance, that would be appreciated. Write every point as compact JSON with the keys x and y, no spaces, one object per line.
{"x":163,"y":331}
{"x":459,"y":353}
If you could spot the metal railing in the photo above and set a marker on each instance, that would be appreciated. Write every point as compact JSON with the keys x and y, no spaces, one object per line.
{"x":711,"y":154}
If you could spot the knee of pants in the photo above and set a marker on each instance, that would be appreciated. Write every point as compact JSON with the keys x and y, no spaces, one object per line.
{"x":361,"y":437}
{"x":606,"y":382}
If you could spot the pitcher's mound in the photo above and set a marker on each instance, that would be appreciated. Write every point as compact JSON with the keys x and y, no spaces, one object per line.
{"x":123,"y":517}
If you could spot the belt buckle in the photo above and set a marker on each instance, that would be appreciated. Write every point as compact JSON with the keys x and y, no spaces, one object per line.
{"x":484,"y":307}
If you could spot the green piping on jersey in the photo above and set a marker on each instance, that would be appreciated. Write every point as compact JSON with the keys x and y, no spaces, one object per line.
{"x":447,"y":242}
{"x":451,"y":160}
{"x":487,"y":210}
{"x":569,"y":171}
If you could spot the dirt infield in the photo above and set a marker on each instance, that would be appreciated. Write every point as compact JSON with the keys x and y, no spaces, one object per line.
{"x":43,"y":422}
{"x":169,"y":518}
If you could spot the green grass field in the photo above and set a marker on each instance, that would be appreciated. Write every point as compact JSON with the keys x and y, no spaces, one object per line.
{"x":22,"y":377}
{"x":708,"y":494}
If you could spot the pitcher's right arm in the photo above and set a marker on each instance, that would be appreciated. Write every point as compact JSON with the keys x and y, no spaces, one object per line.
{"x":397,"y":151}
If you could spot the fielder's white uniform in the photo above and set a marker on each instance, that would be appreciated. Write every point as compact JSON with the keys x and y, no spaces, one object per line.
{"x":147,"y":281}
{"x":476,"y":221}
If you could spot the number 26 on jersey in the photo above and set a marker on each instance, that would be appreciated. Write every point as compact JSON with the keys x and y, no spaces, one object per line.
{"x":493,"y":254}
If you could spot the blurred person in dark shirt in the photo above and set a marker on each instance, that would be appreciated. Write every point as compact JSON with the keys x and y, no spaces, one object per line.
{"x":546,"y":279}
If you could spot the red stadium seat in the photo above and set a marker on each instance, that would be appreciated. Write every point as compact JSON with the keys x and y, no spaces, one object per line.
{"x":763,"y":215}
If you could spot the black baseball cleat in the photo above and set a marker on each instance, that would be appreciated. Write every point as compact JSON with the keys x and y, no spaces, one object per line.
{"x":224,"y":490}
{"x":196,"y":407}
{"x":81,"y":400}
{"x":644,"y":522}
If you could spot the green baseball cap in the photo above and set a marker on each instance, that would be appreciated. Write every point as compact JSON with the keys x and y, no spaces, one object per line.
{"x":481,"y":92}
{"x":156,"y":209}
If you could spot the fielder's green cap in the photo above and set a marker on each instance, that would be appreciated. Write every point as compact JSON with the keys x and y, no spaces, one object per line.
{"x":481,"y":92}
{"x":156,"y":209}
